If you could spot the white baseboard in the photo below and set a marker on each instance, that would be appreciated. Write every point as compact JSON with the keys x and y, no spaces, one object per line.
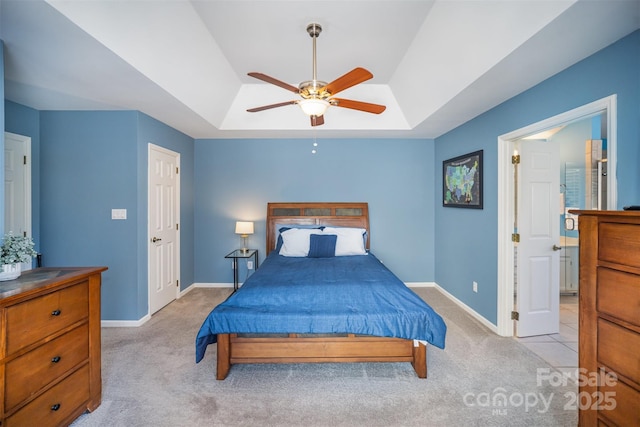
{"x":420,"y":284}
{"x":469,"y":310}
{"x":187,"y":290}
{"x":124,"y":323}
{"x":213,"y":285}
{"x":205,"y":285}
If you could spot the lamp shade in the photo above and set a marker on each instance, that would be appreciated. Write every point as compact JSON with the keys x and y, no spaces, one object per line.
{"x":314,"y":106}
{"x":244,"y":227}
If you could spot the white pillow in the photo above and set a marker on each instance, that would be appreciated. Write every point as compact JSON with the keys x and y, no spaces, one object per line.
{"x":350,"y":240}
{"x":295,"y":242}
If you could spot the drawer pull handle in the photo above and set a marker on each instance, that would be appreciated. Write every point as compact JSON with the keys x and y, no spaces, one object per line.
{"x":55,"y":359}
{"x":55,"y":313}
{"x":55,"y":407}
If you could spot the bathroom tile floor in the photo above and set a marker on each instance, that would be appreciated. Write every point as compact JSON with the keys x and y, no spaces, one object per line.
{"x":559,"y":350}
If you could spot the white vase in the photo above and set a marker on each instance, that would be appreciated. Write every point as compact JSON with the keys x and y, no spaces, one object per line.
{"x":10,"y":272}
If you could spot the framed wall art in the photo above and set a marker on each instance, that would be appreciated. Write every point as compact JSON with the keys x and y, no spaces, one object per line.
{"x":462,"y":181}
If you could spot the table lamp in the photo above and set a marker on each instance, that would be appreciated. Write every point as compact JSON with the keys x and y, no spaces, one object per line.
{"x":244,"y":228}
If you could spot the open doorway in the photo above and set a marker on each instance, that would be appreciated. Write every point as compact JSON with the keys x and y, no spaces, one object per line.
{"x":546,"y":259}
{"x":507,"y":213}
{"x":583,"y":185}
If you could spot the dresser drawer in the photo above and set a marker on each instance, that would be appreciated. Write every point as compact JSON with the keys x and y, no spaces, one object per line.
{"x":618,"y":243}
{"x":55,"y":405}
{"x":40,"y":317}
{"x":27,"y":374}
{"x":625,"y":412}
{"x":618,"y":349}
{"x":616,"y":287}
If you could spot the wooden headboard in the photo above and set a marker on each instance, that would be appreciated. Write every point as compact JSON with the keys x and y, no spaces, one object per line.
{"x":340,"y":214}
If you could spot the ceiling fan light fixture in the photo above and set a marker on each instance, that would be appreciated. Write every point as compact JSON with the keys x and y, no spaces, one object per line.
{"x":317,"y":95}
{"x":314,"y":106}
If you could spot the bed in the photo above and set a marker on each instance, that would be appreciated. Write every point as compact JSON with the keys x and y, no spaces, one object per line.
{"x":337,"y":303}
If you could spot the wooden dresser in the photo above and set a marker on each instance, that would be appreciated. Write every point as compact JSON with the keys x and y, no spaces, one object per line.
{"x":609,"y":319}
{"x":50,"y":346}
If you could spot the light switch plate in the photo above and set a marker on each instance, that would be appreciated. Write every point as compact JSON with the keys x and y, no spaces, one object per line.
{"x":118,"y":214}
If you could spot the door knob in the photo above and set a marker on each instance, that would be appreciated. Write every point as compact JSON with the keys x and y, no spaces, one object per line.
{"x":556,"y":248}
{"x":155,"y":239}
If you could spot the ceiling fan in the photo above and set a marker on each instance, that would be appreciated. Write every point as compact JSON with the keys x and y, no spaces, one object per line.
{"x":317,"y":95}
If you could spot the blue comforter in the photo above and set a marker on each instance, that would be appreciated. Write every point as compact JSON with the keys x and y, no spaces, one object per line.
{"x":348,"y":294}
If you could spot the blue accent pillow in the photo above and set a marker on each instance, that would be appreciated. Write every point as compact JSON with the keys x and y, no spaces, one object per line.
{"x":322,"y":245}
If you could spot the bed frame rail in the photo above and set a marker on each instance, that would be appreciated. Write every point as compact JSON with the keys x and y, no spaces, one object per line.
{"x":233,"y":349}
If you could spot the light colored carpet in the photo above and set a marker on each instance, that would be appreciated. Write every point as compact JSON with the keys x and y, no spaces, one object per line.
{"x":150,"y":378}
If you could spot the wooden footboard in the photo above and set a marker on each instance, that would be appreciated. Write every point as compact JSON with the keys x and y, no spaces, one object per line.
{"x":233,"y":349}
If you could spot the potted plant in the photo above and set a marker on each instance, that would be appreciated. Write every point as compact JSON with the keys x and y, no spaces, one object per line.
{"x":14,"y":251}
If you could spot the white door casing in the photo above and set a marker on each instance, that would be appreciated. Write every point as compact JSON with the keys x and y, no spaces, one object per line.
{"x":163,"y":226}
{"x":538,"y":264}
{"x":17,"y":187}
{"x":506,"y":145}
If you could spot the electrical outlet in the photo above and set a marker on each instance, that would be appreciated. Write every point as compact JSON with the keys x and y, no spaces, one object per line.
{"x":249,"y":265}
{"x":233,"y":265}
{"x":475,"y":286}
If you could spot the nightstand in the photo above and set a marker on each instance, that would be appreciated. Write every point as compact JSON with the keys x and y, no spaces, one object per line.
{"x":239,"y":254}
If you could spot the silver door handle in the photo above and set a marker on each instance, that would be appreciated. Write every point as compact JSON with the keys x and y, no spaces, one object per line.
{"x":556,"y":248}
{"x":155,"y":239}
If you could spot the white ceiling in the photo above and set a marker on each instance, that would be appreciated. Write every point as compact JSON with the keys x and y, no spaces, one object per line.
{"x":436,"y":63}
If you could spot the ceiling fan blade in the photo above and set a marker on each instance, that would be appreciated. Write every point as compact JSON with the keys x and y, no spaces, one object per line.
{"x":352,"y":78}
{"x":358,"y":105}
{"x":267,"y":107}
{"x":317,"y":120}
{"x":273,"y":81}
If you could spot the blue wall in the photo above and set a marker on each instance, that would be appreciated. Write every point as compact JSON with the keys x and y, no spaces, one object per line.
{"x":235,"y":179}
{"x":88,"y":167}
{"x":92,"y":162}
{"x":467,"y":239}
